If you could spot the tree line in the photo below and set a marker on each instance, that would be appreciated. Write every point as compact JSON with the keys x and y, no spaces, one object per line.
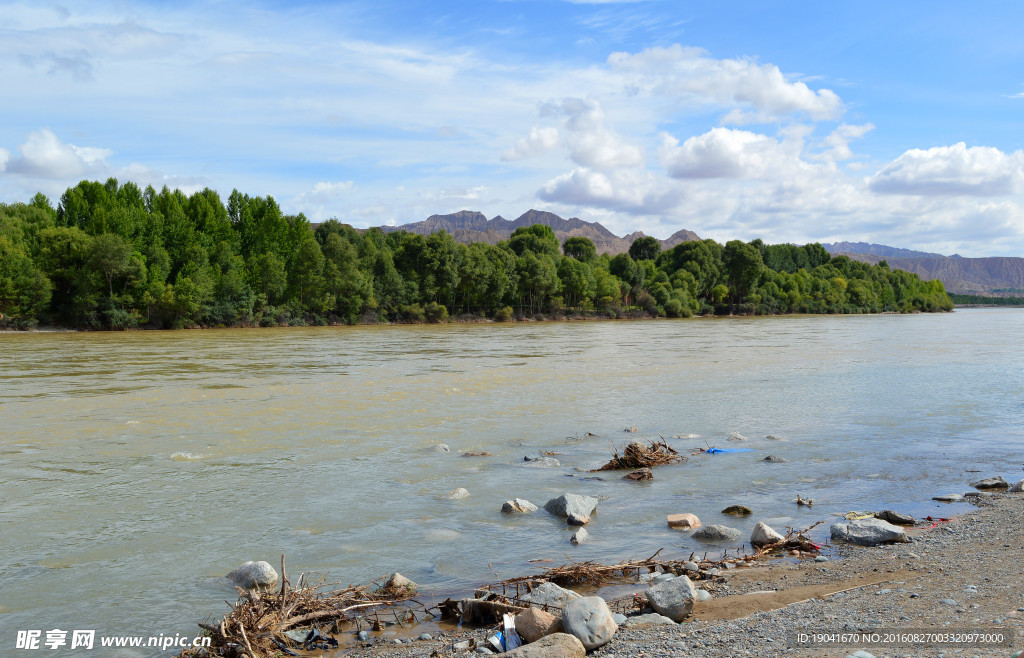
{"x":114,"y":256}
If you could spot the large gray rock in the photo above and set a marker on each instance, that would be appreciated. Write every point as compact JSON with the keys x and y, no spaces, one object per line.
{"x":896,"y":518}
{"x":550,"y":595}
{"x":763,"y":535}
{"x":572,"y":505}
{"x":868,"y":532}
{"x":556,"y":645}
{"x":590,"y":620}
{"x":650,"y":619}
{"x":253,"y":575}
{"x":673,"y":598}
{"x":518,"y":506}
{"x":1017,"y":488}
{"x":717,"y":533}
{"x":996,"y":482}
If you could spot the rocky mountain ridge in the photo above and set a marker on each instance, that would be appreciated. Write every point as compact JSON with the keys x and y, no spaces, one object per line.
{"x":470,"y":226}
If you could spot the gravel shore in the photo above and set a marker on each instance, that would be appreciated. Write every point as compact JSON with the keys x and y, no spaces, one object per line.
{"x":964,"y":575}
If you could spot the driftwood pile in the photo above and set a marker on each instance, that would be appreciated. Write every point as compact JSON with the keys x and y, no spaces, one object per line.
{"x":639,"y":455}
{"x":256,"y":625}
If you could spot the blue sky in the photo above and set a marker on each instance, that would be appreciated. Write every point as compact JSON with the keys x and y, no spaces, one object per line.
{"x":895,"y":123}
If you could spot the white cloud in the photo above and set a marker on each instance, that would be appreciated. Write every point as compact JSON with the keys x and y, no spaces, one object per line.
{"x":634,"y":190}
{"x":540,"y":140}
{"x":952,"y":171}
{"x":690,"y":74}
{"x":45,"y":156}
{"x":838,"y":142}
{"x":591,"y":142}
{"x":730,"y":153}
{"x":5,"y":155}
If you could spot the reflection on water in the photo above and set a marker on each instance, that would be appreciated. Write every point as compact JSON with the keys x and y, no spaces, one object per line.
{"x":138,"y":468}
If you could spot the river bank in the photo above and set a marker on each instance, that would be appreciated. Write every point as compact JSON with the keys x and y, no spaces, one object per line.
{"x":955,"y":576}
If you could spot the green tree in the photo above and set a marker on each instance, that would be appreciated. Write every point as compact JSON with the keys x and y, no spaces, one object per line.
{"x":645,"y":248}
{"x":536,"y":239}
{"x":743,"y":267}
{"x":580,"y":248}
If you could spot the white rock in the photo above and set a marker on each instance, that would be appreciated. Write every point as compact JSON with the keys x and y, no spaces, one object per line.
{"x":580,"y":536}
{"x":572,"y":505}
{"x":764,"y":535}
{"x":457,"y":494}
{"x":252,"y":575}
{"x":868,"y":532}
{"x":590,"y":620}
{"x":518,"y":506}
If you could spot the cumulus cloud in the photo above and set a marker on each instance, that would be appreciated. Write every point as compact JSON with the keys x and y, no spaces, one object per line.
{"x":952,"y":171}
{"x":584,"y":131}
{"x":540,"y":140}
{"x":635,"y":190}
{"x":690,"y":74}
{"x":591,"y":142}
{"x":43,"y":155}
{"x":838,"y":142}
{"x":729,"y":153}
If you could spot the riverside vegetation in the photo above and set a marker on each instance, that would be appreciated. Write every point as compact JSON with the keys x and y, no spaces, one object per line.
{"x":114,"y":256}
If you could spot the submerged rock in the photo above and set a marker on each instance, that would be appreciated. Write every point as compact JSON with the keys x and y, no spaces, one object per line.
{"x":253,"y":575}
{"x":763,"y":535}
{"x":590,"y":620}
{"x":775,"y":459}
{"x":398,"y":581}
{"x":457,"y":494}
{"x":686,"y":520}
{"x":737,"y":510}
{"x":541,"y":462}
{"x":868,"y":532}
{"x":717,"y":533}
{"x":639,"y":474}
{"x":580,"y":536}
{"x":996,"y":482}
{"x":518,"y":506}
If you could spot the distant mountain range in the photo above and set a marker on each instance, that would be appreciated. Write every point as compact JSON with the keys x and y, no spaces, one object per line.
{"x":470,"y":226}
{"x":985,"y":276}
{"x":977,"y":276}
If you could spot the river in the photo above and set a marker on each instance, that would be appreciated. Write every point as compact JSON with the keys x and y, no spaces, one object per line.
{"x":136,"y":469}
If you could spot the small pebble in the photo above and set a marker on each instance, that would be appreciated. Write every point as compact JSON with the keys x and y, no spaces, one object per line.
{"x":948,"y":602}
{"x":426,"y":636}
{"x":821,"y":558}
{"x":363,"y":636}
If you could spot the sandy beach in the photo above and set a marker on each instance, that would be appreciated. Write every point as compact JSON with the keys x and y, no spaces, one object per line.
{"x":959,"y":576}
